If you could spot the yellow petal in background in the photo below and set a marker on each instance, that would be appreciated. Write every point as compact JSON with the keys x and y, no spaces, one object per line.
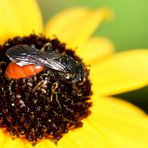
{"x":120,"y":72}
{"x":74,"y":26}
{"x":118,"y":107}
{"x":19,"y":18}
{"x":124,"y":124}
{"x":95,"y":49}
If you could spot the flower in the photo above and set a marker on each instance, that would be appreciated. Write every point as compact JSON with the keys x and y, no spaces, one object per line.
{"x":113,"y":123}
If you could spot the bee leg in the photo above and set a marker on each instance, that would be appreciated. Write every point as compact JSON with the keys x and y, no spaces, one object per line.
{"x":46,"y":45}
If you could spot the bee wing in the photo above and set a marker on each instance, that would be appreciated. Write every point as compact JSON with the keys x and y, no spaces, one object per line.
{"x":25,"y":55}
{"x":20,"y":54}
{"x":50,"y":60}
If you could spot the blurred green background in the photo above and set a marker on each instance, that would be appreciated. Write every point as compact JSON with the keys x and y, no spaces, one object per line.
{"x":128,"y":30}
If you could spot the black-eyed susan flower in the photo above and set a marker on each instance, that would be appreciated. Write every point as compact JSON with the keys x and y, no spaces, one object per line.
{"x":43,"y":110}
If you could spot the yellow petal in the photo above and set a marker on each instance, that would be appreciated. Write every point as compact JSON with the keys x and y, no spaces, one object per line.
{"x":95,"y":49}
{"x":120,"y":72}
{"x":85,"y":137}
{"x":10,"y":143}
{"x":45,"y":144}
{"x":74,"y":26}
{"x":124,"y":124}
{"x":2,"y":137}
{"x":7,"y":142}
{"x":19,"y":18}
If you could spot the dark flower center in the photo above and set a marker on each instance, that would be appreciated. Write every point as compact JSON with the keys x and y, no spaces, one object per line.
{"x":43,"y":105}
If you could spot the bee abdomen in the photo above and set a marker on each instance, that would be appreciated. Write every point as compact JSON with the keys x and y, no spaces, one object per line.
{"x":15,"y":71}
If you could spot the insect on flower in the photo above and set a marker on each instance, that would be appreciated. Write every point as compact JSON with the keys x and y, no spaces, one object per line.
{"x":28,"y":61}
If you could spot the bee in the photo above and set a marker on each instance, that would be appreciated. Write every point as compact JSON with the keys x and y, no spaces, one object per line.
{"x":28,"y":61}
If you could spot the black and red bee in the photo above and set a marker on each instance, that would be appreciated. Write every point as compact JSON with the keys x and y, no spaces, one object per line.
{"x":28,"y":61}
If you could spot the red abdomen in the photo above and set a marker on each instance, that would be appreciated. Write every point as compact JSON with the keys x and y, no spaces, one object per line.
{"x":15,"y":71}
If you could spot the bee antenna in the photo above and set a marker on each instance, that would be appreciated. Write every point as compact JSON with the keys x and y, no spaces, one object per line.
{"x":46,"y":45}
